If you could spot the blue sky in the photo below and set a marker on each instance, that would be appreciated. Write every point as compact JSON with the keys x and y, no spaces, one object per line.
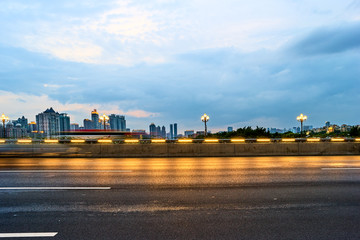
{"x":244,"y":63}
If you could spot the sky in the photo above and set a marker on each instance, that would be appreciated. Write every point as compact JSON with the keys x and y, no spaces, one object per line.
{"x":243,"y":63}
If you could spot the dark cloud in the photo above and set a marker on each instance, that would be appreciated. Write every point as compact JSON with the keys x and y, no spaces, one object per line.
{"x":329,"y":40}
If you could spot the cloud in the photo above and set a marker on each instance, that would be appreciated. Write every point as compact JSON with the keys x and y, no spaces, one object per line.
{"x":18,"y":104}
{"x":329,"y":40}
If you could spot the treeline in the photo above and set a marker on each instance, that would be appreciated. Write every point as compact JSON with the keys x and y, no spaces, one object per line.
{"x":258,"y":132}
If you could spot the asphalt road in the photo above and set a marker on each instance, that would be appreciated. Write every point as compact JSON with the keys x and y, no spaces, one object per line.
{"x":181,"y":198}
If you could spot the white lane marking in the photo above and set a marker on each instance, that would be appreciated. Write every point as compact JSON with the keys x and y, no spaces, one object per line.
{"x":55,"y":188}
{"x":34,"y":234}
{"x":65,"y":171}
{"x":339,"y":168}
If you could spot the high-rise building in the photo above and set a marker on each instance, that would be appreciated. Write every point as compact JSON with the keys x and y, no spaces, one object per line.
{"x":163,"y":132}
{"x":48,"y":122}
{"x":74,"y":126}
{"x":158,"y":131}
{"x":64,"y":122}
{"x":175,"y":130}
{"x":32,"y":127}
{"x":230,"y":129}
{"x":117,"y":122}
{"x":88,"y":124}
{"x":171,"y":132}
{"x":152,"y":129}
{"x":189,"y":133}
{"x":22,"y":121}
{"x":95,"y":119}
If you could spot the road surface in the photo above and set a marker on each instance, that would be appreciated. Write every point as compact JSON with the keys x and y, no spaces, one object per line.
{"x":181,"y":198}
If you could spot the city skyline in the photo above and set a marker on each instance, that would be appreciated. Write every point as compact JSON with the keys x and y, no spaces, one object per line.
{"x":243,"y":63}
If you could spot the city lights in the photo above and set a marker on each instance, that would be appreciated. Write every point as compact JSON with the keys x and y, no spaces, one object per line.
{"x":4,"y":119}
{"x":313,"y":140}
{"x":104,"y":141}
{"x":158,"y":140}
{"x":288,"y":140}
{"x":131,"y":141}
{"x":185,"y":140}
{"x":263,"y":140}
{"x":211,"y":140}
{"x":237,"y":140}
{"x":77,"y":140}
{"x":51,"y":141}
{"x":104,"y":118}
{"x":337,"y":139}
{"x":24,"y":141}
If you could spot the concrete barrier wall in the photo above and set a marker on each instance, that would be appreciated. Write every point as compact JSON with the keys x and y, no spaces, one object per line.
{"x":180,"y":150}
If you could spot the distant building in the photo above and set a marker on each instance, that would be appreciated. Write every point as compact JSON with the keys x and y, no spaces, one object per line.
{"x":230,"y":129}
{"x":175,"y":130}
{"x":32,"y":127}
{"x":308,"y":128}
{"x":22,"y":121}
{"x":327,"y":124}
{"x":74,"y":126}
{"x":152,"y":129}
{"x":171,"y":131}
{"x":95,"y":119}
{"x":48,"y":122}
{"x":189,"y":133}
{"x":88,"y":124}
{"x":64,"y":120}
{"x":163,"y":132}
{"x":117,"y":122}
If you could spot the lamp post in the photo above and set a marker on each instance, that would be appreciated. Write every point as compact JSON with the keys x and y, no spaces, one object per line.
{"x":104,"y":118}
{"x":301,"y":118}
{"x":205,"y":118}
{"x":4,"y":119}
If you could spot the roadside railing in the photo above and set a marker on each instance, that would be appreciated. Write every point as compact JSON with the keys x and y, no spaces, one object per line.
{"x":178,"y":141}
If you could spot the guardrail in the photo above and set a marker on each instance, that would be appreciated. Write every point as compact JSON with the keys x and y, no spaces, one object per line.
{"x":177,"y":141}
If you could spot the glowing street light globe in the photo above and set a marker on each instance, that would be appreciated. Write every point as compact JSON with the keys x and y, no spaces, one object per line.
{"x":301,"y":118}
{"x":205,"y":118}
{"x":104,"y":118}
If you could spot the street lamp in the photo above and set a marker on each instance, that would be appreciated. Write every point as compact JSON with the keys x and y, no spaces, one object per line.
{"x":104,"y":118}
{"x":4,"y":119}
{"x":205,"y":118}
{"x":301,"y":118}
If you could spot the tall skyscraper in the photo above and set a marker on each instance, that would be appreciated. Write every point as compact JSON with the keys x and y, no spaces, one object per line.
{"x":48,"y":122}
{"x":88,"y":124}
{"x":171,"y":132}
{"x":163,"y":132}
{"x":117,"y":122}
{"x":152,"y":129}
{"x":95,"y":119}
{"x":64,"y":122}
{"x":175,"y":130}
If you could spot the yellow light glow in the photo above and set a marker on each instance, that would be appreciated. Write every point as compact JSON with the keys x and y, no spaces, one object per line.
{"x":104,"y":141}
{"x":237,"y":140}
{"x":263,"y":140}
{"x":51,"y":141}
{"x":313,"y":140}
{"x":158,"y":140}
{"x":337,"y":140}
{"x":288,"y":140}
{"x":357,"y":139}
{"x":185,"y":141}
{"x":301,"y":117}
{"x":24,"y":141}
{"x":131,"y":140}
{"x":77,"y":141}
{"x":205,"y":118}
{"x":211,"y":140}
{"x":2,"y":140}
